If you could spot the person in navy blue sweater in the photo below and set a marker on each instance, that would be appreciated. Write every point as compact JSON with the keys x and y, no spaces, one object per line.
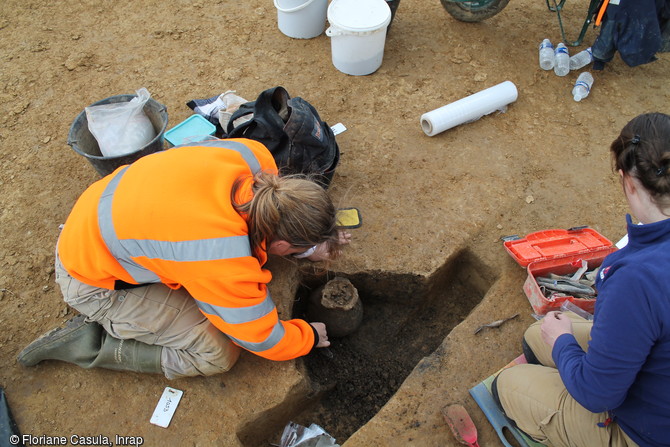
{"x":606,"y":382}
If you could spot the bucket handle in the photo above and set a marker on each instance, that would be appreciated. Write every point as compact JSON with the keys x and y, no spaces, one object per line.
{"x":332,"y":32}
{"x":297,"y":8}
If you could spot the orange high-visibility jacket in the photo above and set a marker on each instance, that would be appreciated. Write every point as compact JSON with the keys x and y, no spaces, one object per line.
{"x":169,"y":218}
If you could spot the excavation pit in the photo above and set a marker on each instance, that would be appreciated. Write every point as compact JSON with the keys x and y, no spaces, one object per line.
{"x":405,"y":318}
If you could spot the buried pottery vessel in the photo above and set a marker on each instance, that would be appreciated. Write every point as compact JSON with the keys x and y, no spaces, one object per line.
{"x":336,"y":304}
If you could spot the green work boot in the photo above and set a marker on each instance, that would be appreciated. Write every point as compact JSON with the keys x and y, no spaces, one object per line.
{"x":128,"y":355}
{"x":74,"y":343}
{"x":88,"y":345}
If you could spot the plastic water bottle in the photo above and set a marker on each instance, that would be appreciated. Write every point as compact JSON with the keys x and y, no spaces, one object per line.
{"x":547,"y":57}
{"x":562,"y":64}
{"x":581,"y":59}
{"x":582,"y":86}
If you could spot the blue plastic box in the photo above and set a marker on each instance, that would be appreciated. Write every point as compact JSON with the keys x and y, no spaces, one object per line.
{"x":192,"y":129}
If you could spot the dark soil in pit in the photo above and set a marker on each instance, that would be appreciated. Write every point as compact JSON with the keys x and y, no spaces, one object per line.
{"x":404,"y":321}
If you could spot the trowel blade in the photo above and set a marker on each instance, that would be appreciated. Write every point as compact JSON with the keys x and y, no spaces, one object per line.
{"x":461,"y":424}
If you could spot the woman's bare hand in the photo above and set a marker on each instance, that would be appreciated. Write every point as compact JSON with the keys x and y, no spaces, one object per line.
{"x":555,"y":324}
{"x":323,"y":335}
{"x":322,"y":254}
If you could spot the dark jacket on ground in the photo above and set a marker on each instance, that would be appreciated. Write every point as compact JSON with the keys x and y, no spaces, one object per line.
{"x":634,"y":28}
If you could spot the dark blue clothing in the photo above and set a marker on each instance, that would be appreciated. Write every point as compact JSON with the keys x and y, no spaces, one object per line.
{"x":626,"y":370}
{"x":634,"y":29}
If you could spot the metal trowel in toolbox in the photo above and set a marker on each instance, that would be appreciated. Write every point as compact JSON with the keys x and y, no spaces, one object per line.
{"x":461,"y":424}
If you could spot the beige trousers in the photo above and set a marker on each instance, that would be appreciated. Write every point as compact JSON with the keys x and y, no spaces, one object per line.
{"x":156,"y":315}
{"x":536,"y":399}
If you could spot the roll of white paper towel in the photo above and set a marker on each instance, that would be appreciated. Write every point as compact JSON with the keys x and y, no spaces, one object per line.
{"x":468,"y":109}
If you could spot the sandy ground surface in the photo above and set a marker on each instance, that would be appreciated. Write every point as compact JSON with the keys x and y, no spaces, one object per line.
{"x":434,"y":208}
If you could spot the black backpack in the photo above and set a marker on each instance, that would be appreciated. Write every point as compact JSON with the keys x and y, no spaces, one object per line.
{"x":300,"y":142}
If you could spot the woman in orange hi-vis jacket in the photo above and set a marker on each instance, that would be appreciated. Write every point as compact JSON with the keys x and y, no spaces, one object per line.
{"x":163,"y":259}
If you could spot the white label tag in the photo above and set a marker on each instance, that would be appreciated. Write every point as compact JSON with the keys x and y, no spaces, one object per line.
{"x":166,"y":407}
{"x":338,"y":128}
{"x":614,"y":2}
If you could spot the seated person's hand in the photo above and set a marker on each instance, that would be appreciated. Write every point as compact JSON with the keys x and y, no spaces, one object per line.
{"x":555,"y":324}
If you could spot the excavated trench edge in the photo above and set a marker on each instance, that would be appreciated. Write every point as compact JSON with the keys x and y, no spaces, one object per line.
{"x":414,"y":312}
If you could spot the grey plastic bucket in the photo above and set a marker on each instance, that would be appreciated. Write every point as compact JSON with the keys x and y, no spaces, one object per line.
{"x":84,"y":143}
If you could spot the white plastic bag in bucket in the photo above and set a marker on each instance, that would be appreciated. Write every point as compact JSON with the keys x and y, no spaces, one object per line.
{"x":121,"y":128}
{"x":358,"y":34}
{"x":301,"y":19}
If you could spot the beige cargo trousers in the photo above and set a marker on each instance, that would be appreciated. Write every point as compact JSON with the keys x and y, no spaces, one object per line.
{"x":536,"y":399}
{"x":155,"y":315}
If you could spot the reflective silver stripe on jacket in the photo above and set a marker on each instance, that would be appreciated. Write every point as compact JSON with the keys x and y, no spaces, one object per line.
{"x":237,"y":315}
{"x":114,"y":245}
{"x":244,"y":151}
{"x":233,"y":315}
{"x":275,"y":336}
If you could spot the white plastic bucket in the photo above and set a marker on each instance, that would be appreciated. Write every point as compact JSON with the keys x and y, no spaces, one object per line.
{"x":358,"y":34}
{"x":301,"y":19}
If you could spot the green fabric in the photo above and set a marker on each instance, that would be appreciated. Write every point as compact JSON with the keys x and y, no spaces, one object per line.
{"x":87,"y":345}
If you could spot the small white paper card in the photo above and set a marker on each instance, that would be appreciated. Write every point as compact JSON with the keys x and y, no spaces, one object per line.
{"x":166,"y":407}
{"x":338,"y":128}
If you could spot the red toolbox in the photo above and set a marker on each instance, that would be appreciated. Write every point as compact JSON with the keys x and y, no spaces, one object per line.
{"x":560,"y":252}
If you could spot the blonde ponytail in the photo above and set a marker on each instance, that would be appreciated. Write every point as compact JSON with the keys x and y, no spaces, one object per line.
{"x":291,"y":208}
